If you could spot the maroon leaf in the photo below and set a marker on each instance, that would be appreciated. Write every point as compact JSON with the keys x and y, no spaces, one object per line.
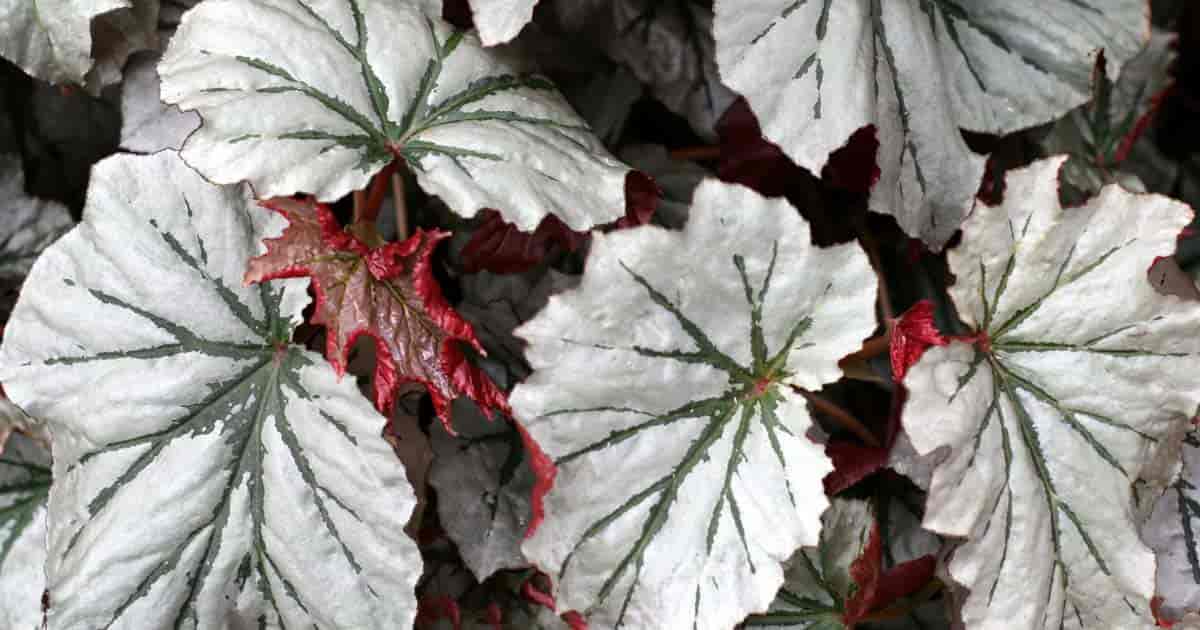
{"x":852,"y":462}
{"x":878,"y":589}
{"x":365,"y":286}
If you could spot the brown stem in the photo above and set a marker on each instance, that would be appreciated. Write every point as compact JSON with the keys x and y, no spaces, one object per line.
{"x":871,"y":348}
{"x":839,"y":415}
{"x":401,"y":203}
{"x":872,"y":249}
{"x":699,"y":154}
{"x":360,"y":207}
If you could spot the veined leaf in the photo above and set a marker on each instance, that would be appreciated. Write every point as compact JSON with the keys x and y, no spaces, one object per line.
{"x":1173,"y":531}
{"x":1107,"y":138}
{"x":499,"y":21}
{"x":352,"y":84}
{"x":814,"y":71}
{"x":667,"y":44}
{"x":1079,"y":372}
{"x":53,"y":39}
{"x":663,"y":391}
{"x":24,"y":485}
{"x":217,"y":476}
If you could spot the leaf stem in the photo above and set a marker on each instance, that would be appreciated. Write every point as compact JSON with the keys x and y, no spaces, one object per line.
{"x":839,"y":415}
{"x":401,"y":202}
{"x":871,"y":348}
{"x":360,"y":207}
{"x":699,"y":153}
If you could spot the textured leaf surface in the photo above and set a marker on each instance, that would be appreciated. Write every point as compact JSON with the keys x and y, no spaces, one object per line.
{"x":498,"y":21}
{"x":53,"y":39}
{"x":814,"y":71}
{"x":484,"y":484}
{"x":24,"y":485}
{"x":147,"y":124}
{"x":663,"y":392}
{"x":386,"y":291}
{"x":27,"y":225}
{"x":1107,"y":139}
{"x":1059,"y":407}
{"x":497,"y":304}
{"x":1174,"y":533}
{"x":351,"y":84}
{"x":667,"y":44}
{"x":216,"y":465}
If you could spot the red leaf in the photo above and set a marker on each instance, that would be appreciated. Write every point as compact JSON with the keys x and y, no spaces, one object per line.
{"x":499,"y":247}
{"x":853,"y":166}
{"x":386,"y":291}
{"x":431,"y":609}
{"x":878,"y":589}
{"x":852,"y":463}
{"x":575,"y":620}
{"x":749,"y":159}
{"x":1156,"y":610}
{"x":913,"y":333}
{"x":531,"y":592}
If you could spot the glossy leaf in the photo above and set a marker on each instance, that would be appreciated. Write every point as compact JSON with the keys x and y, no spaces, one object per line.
{"x":386,"y":291}
{"x":1079,"y":374}
{"x":216,"y":465}
{"x":663,"y":392}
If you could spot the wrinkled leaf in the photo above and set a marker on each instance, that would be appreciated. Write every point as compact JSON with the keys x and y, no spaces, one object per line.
{"x":53,"y":39}
{"x":663,"y":391}
{"x":372,"y":81}
{"x":497,"y":304}
{"x":667,"y":44}
{"x":484,"y":485}
{"x":1060,"y":404}
{"x":816,"y":71}
{"x":203,"y":466}
{"x":24,"y":485}
{"x":386,"y":291}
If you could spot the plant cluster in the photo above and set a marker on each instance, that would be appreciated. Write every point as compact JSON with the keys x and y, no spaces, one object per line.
{"x":647,"y":314}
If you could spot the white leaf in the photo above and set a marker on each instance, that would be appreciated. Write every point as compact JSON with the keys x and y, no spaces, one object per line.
{"x":24,"y":484}
{"x":147,"y":124}
{"x":484,"y":484}
{"x":53,"y":39}
{"x":1084,"y":372}
{"x":352,"y":84}
{"x":667,"y":44}
{"x":818,"y":580}
{"x":27,"y":225}
{"x":816,"y":71}
{"x":499,"y":21}
{"x":1173,"y":531}
{"x":1095,"y":139}
{"x":663,"y":389}
{"x":207,"y":474}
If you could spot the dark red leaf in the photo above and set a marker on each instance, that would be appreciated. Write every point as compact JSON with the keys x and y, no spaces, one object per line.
{"x":749,"y":159}
{"x":852,"y":463}
{"x":877,"y":589}
{"x":431,"y":609}
{"x":386,"y":291}
{"x":913,"y":333}
{"x":1156,"y":610}
{"x":853,"y":167}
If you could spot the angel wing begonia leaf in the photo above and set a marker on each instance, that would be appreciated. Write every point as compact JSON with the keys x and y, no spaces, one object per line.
{"x":76,"y":42}
{"x":221,"y":477}
{"x":663,"y":390}
{"x":24,"y":486}
{"x":1079,"y":373}
{"x":352,"y":84}
{"x":386,"y":291}
{"x":814,"y":71}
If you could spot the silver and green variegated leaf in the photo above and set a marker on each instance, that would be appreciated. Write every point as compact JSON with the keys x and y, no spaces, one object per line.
{"x":298,"y":95}
{"x":814,"y":71}
{"x":85,"y":42}
{"x":220,"y":477}
{"x":484,"y":484}
{"x":818,"y":578}
{"x":664,"y":391}
{"x":667,"y":44}
{"x":498,"y":21}
{"x":1173,"y":531}
{"x":1108,"y":139}
{"x":1080,"y":372}
{"x":24,"y":485}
